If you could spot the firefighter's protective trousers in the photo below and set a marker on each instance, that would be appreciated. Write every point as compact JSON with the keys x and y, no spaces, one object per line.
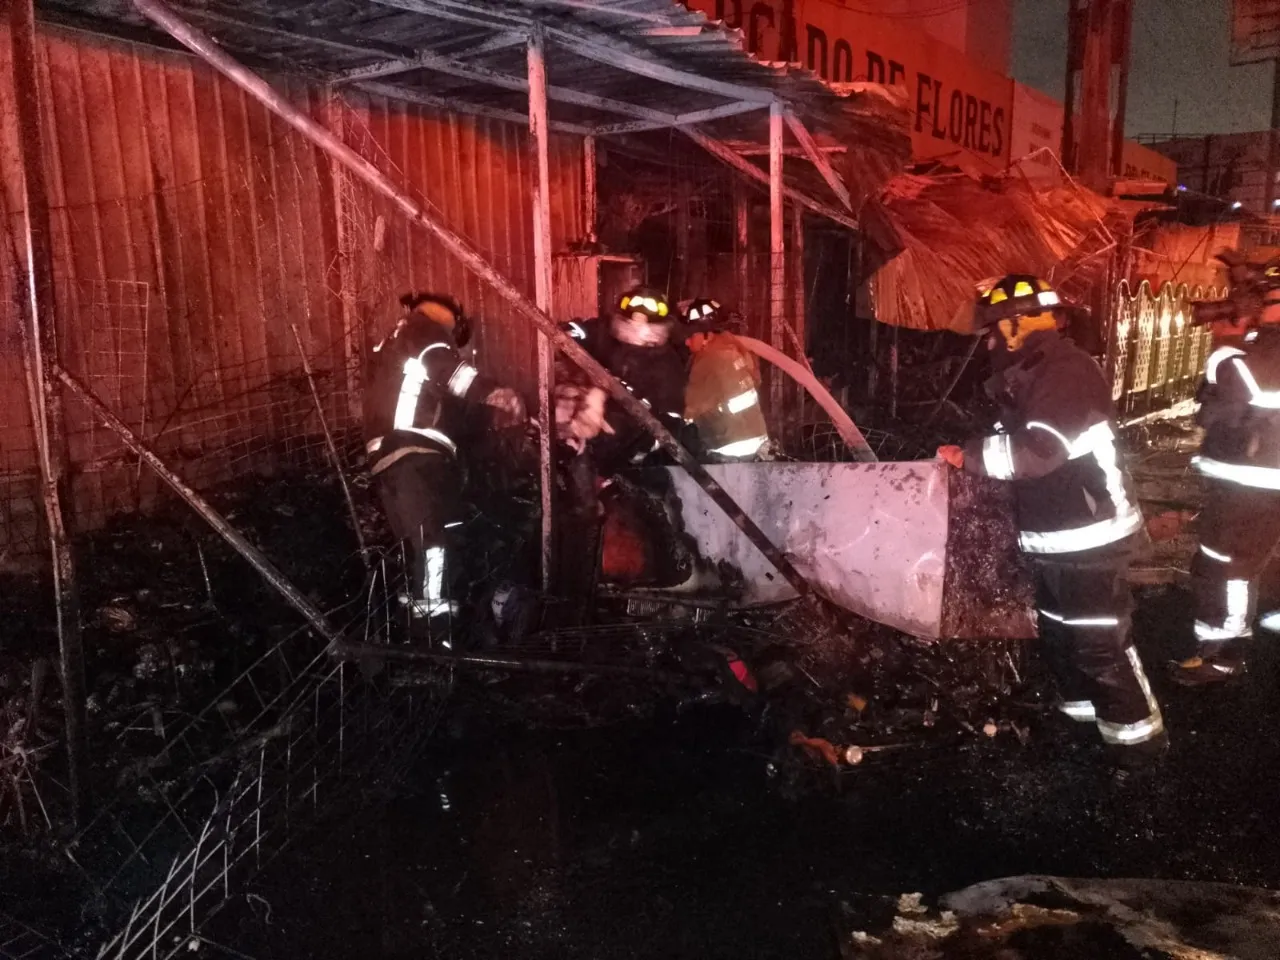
{"x":1084,"y":608}
{"x":420,"y":494}
{"x":1239,"y":529}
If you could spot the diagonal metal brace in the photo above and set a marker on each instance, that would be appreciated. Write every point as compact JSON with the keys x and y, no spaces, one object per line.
{"x":256,"y":558}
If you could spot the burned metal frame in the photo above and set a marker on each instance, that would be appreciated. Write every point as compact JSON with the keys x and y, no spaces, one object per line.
{"x":474,"y":261}
{"x":509,"y":28}
{"x":40,"y":351}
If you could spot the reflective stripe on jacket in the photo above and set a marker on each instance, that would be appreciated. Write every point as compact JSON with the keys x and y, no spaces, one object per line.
{"x":722,"y":397}
{"x":1059,"y":448}
{"x":414,"y":401}
{"x":1240,"y":412}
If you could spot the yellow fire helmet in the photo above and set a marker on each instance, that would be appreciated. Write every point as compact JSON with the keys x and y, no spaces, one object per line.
{"x":647,"y":301}
{"x":1017,"y":295}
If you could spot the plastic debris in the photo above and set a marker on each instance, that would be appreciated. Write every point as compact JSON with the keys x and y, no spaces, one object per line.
{"x":816,"y":747}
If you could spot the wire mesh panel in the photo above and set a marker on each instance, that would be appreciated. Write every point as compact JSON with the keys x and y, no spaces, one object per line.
{"x":1156,"y":347}
{"x":20,"y":941}
{"x":1122,"y":342}
{"x":1147,"y":323}
{"x":317,"y":730}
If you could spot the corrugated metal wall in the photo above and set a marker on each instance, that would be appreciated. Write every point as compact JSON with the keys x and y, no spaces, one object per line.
{"x":192,"y":230}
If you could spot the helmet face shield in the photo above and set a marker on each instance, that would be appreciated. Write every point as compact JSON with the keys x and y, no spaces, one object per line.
{"x":638,"y":330}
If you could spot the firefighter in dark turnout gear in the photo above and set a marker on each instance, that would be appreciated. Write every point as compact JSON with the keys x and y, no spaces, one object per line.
{"x":636,"y":346}
{"x":416,"y":410}
{"x":1239,"y":526}
{"x":1078,"y":519}
{"x":598,"y":438}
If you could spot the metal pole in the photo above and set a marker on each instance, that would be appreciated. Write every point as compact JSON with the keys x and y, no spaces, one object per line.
{"x":201,"y":506}
{"x":799,"y":336}
{"x":1095,"y":97}
{"x":1123,"y":27}
{"x":332,"y":447}
{"x":1273,"y":149}
{"x":590,"y":197}
{"x":796,"y":322}
{"x":1074,"y":37}
{"x":542,"y":293}
{"x":741,"y":240}
{"x":254,"y":85}
{"x":41,"y":342}
{"x":777,"y":255}
{"x":351,"y":333}
{"x":485,"y":661}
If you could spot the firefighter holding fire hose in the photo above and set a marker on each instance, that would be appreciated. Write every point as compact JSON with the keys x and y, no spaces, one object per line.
{"x":1078,"y":519}
{"x":421,"y":391}
{"x":722,"y":398}
{"x":1239,"y":458}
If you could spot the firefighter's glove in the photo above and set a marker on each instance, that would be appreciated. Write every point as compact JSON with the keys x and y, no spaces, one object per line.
{"x":506,"y":408}
{"x":580,"y":415}
{"x":953,"y":455}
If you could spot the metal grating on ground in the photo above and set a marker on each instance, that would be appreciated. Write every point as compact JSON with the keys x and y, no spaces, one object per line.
{"x":161,"y":860}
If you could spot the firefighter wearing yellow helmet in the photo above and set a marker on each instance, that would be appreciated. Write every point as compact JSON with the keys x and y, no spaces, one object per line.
{"x":1239,"y":525}
{"x":635,"y":344}
{"x":416,"y":413}
{"x":1077,"y":515}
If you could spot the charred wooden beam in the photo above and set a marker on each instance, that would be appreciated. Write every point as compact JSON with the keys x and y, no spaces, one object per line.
{"x":749,"y":169}
{"x":819,"y":159}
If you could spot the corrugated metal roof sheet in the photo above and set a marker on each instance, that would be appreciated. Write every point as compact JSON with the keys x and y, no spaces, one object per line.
{"x":608,"y":61}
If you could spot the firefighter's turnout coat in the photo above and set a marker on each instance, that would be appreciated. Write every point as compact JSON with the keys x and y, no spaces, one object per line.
{"x":1078,"y":520}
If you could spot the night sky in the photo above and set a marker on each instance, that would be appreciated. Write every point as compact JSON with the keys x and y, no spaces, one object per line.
{"x":1180,"y":49}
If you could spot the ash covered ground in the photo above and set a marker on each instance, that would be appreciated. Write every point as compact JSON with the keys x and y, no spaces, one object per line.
{"x":598,"y":817}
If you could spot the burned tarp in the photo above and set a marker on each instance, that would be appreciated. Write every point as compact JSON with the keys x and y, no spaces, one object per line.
{"x":905,"y":544}
{"x":936,"y":237}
